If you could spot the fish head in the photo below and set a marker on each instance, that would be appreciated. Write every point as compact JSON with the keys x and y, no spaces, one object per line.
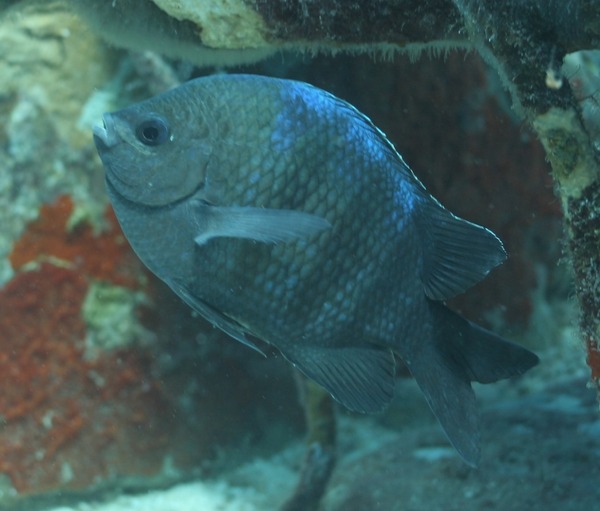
{"x":155,"y":153}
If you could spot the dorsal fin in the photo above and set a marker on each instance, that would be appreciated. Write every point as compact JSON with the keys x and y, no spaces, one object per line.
{"x":457,"y":253}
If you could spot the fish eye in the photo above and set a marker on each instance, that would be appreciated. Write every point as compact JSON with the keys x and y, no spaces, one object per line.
{"x":153,"y":131}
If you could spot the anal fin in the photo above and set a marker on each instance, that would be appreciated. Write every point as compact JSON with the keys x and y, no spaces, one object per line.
{"x":360,"y":378}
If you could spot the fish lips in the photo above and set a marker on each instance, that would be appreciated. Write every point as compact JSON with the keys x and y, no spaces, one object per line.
{"x":105,"y":139}
{"x":105,"y":135}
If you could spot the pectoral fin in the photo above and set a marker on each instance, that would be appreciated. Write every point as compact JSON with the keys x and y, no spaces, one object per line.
{"x":259,"y":224}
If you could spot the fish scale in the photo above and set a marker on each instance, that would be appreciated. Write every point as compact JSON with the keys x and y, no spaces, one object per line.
{"x":281,"y":213}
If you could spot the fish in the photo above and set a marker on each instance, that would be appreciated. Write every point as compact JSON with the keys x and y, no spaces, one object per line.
{"x":285,"y":217}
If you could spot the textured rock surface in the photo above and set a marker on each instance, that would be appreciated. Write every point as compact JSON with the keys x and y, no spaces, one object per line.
{"x":44,"y":50}
{"x":205,"y":33}
{"x":227,"y":24}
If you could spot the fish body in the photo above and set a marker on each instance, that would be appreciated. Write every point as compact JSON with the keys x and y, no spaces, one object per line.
{"x":281,"y":213}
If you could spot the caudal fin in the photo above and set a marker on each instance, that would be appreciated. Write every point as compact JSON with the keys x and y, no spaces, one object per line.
{"x":462,"y":352}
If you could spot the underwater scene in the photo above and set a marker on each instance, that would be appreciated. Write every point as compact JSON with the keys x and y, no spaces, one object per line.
{"x":299,"y":255}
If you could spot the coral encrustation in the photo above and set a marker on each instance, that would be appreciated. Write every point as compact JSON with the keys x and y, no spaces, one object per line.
{"x":70,"y":420}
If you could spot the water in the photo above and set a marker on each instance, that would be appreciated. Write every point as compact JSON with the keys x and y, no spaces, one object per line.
{"x":114,"y":396}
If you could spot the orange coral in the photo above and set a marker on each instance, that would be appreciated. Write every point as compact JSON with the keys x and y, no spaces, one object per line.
{"x":36,"y":311}
{"x":106,"y":256}
{"x":56,"y":406}
{"x":39,"y":335}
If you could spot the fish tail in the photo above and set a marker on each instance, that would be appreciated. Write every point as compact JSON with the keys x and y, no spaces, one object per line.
{"x":481,"y":355}
{"x":462,"y":352}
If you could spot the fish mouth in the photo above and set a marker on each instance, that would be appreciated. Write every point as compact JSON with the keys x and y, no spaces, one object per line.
{"x":105,"y":134}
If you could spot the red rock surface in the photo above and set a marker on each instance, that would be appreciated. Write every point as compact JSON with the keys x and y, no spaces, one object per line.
{"x":69,"y":421}
{"x":105,"y":256}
